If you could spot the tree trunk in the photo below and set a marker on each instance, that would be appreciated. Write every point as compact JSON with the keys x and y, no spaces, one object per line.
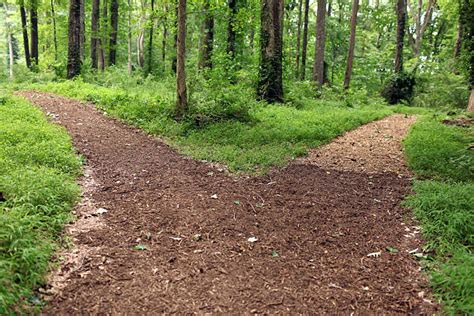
{"x":470,"y":106}
{"x":10,"y":53}
{"x":231,"y":34}
{"x":104,"y":37}
{"x":149,"y":65}
{"x":401,"y":20}
{"x":83,"y":31}
{"x":24,"y":27}
{"x":270,"y":83}
{"x":55,"y":37}
{"x":350,"y":57}
{"x":163,"y":44}
{"x":114,"y":6}
{"x":298,"y":37}
{"x":95,"y":35}
{"x":74,"y":39}
{"x":34,"y":31}
{"x":182,"y":100}
{"x":205,"y":60}
{"x":175,"y":44}
{"x":318,"y":69}
{"x":129,"y":38}
{"x":305,"y":39}
{"x":140,"y":49}
{"x":458,"y":46}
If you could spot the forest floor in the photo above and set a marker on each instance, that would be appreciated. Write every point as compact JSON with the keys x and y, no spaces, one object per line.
{"x":160,"y":232}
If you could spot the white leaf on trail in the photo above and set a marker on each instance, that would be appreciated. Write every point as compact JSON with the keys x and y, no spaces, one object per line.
{"x":214,"y":196}
{"x":101,"y":211}
{"x":375,"y":254}
{"x":177,"y":238}
{"x":252,"y":239}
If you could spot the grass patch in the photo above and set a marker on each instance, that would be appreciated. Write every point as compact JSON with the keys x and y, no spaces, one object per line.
{"x":269,"y":136}
{"x":444,"y":204}
{"x":38,"y":170}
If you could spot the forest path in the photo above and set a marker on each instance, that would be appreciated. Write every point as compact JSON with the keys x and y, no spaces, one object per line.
{"x":315,"y":220}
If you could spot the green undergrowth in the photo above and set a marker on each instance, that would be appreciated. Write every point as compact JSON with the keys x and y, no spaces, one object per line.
{"x":251,"y":137}
{"x":442,"y":158}
{"x":38,"y":168}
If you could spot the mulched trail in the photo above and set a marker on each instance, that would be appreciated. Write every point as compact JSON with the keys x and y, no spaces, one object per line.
{"x":315,"y":226}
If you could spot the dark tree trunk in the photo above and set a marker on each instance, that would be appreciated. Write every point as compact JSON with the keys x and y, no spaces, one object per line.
{"x":401,"y":21}
{"x":175,"y":44}
{"x":34,"y":31}
{"x":129,"y":38}
{"x":350,"y":57}
{"x":83,"y":30}
{"x":149,"y":65}
{"x":74,"y":39}
{"x":95,"y":35}
{"x":270,"y":83}
{"x":114,"y":7}
{"x":182,"y":100}
{"x":205,"y":60}
{"x":55,"y":37}
{"x":24,"y":27}
{"x":457,"y":47}
{"x":298,"y":37}
{"x":318,"y":69}
{"x":104,"y":37}
{"x":231,"y":34}
{"x":305,"y":40}
{"x":163,"y":44}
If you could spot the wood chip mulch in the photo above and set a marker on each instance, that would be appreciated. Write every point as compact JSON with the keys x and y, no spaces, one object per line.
{"x":177,"y":235}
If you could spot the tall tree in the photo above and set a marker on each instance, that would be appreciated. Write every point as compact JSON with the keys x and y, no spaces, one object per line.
{"x":298,"y":37}
{"x":95,"y":35}
{"x":74,"y":39}
{"x":129,"y":38}
{"x":401,"y":21}
{"x":270,"y":83}
{"x":422,"y":20}
{"x":231,"y":32}
{"x":205,"y":58}
{"x":466,"y":12}
{"x":114,"y":8}
{"x":83,"y":30}
{"x":182,"y":98}
{"x":305,"y":39}
{"x":34,"y":31}
{"x":318,"y":68}
{"x":149,"y":65}
{"x":55,"y":37}
{"x":350,"y":57}
{"x":104,"y":36}
{"x":164,"y":38}
{"x":24,"y":28}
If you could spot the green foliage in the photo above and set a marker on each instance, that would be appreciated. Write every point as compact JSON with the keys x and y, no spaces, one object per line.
{"x":440,"y":151}
{"x":445,"y":207}
{"x":399,"y":88}
{"x":38,"y":171}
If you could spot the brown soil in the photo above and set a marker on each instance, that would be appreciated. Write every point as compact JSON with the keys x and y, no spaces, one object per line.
{"x":460,"y":121}
{"x":315,"y":227}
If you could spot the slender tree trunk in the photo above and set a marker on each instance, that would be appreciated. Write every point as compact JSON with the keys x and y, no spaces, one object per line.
{"x":270,"y":83}
{"x":318,"y":69}
{"x":457,"y":47}
{"x":163,"y":44}
{"x":231,"y":33}
{"x":95,"y":35}
{"x":114,"y":7}
{"x":205,"y":60}
{"x":103,"y":26}
{"x":83,"y":31}
{"x":149,"y":66}
{"x":470,"y":106}
{"x":298,"y":38}
{"x":74,"y":39}
{"x":24,"y":27}
{"x":129,"y":38}
{"x":350,"y":57}
{"x":175,"y":44}
{"x":10,"y":53}
{"x":182,"y":99}
{"x":34,"y":31}
{"x":55,"y":37}
{"x":305,"y":39}
{"x":401,"y":21}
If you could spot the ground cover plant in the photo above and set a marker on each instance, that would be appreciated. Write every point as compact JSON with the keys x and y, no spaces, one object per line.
{"x":442,"y":157}
{"x":37,"y":183}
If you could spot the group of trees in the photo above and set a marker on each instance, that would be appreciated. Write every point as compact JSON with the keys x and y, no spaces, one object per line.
{"x":223,"y":35}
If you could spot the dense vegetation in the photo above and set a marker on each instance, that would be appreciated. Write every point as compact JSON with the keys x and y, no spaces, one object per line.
{"x":238,"y":83}
{"x":38,"y":169}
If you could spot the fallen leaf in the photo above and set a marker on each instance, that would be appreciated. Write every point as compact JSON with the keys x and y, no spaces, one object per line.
{"x":252,"y":239}
{"x":197,"y":237}
{"x":176,"y":238}
{"x":214,"y":196}
{"x":275,"y":253}
{"x":391,"y":249}
{"x":140,"y":247}
{"x":375,"y":254}
{"x":101,"y":211}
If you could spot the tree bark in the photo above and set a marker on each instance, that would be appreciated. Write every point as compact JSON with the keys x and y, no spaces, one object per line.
{"x":401,"y":21}
{"x":10,"y":54}
{"x":231,"y":33}
{"x":129,"y":65}
{"x":182,"y":100}
{"x":149,"y":66}
{"x":305,"y":40}
{"x":175,"y":44}
{"x":205,"y":60}
{"x":318,"y":69}
{"x":163,"y":44}
{"x":270,"y":83}
{"x":34,"y":31}
{"x":95,"y":35}
{"x":74,"y":39}
{"x":350,"y":57}
{"x":24,"y":27}
{"x":470,"y":106}
{"x":114,"y":7}
{"x":55,"y":37}
{"x":83,"y":31}
{"x":458,"y":46}
{"x":298,"y":37}
{"x":421,"y":23}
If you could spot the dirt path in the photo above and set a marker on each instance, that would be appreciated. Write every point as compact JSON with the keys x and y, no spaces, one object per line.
{"x":315,"y":227}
